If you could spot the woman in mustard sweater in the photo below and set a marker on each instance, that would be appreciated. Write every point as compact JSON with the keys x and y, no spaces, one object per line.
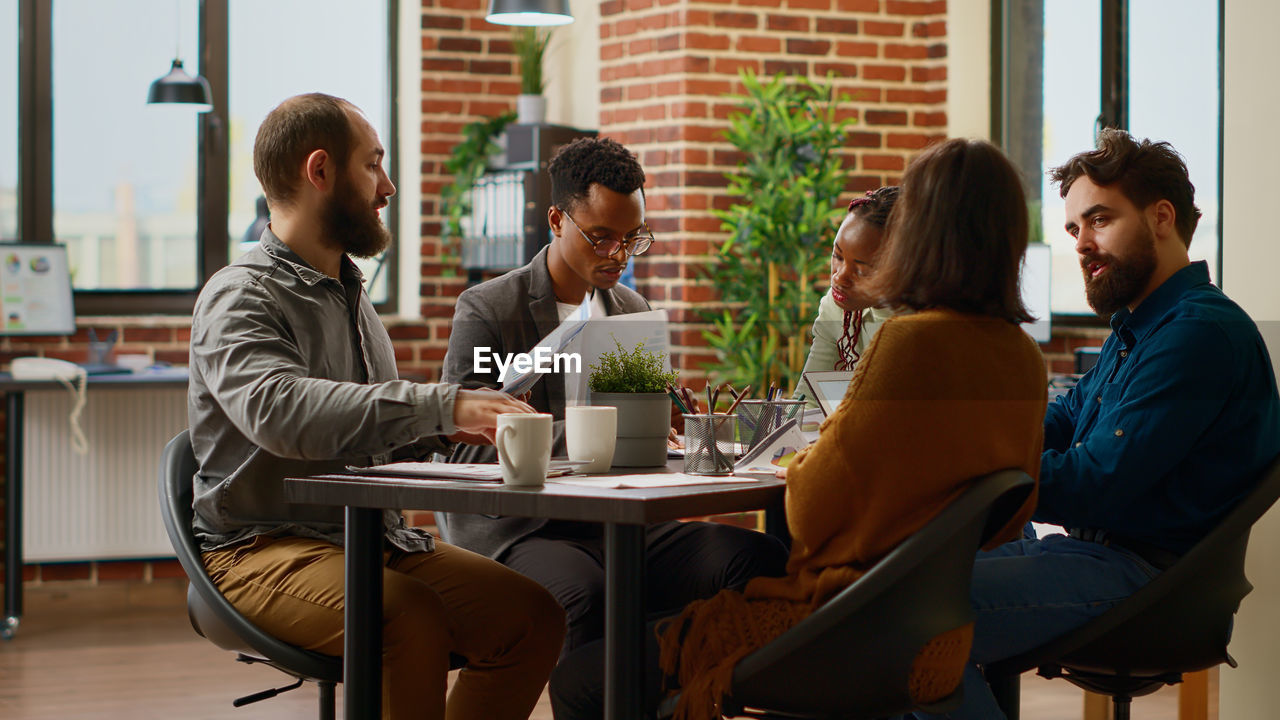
{"x":950,"y":392}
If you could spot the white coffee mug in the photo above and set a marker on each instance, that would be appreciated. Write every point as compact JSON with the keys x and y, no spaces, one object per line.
{"x":590,"y":432}
{"x":524,"y":447}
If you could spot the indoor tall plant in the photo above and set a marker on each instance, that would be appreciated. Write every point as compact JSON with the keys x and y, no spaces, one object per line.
{"x":530,"y":44}
{"x":787,"y":192}
{"x":635,"y":381}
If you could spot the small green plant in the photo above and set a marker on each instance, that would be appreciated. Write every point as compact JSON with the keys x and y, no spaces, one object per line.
{"x":530,"y":44}
{"x":635,"y":371}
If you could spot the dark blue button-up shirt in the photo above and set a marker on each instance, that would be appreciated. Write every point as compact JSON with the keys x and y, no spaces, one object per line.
{"x":1171,"y":428}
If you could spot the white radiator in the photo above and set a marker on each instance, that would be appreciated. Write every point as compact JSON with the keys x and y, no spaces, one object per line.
{"x":102,"y":505}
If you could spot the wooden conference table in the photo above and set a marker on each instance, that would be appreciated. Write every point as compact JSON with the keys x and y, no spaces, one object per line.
{"x":623,"y":512}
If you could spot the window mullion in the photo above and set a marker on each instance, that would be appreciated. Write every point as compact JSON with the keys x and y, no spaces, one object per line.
{"x":35,"y":121}
{"x":1115,"y":65}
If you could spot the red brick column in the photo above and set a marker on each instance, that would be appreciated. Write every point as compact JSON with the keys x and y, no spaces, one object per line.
{"x":667,"y":66}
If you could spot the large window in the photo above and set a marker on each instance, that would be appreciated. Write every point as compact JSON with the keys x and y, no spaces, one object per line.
{"x":266,"y":66}
{"x":152,"y":199}
{"x":124,"y":172}
{"x":1067,"y":68}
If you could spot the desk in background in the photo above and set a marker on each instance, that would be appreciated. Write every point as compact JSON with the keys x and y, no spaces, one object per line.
{"x":624,"y":513}
{"x":15,"y":395}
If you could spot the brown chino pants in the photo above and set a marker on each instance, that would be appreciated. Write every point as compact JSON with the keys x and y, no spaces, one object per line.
{"x":507,"y":627}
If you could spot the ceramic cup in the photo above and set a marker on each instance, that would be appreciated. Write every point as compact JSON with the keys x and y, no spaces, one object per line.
{"x":591,"y":432}
{"x":524,"y":448}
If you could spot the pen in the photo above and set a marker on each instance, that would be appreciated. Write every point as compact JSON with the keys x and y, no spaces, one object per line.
{"x":737,"y":400}
{"x":688,"y":400}
{"x":672,"y":392}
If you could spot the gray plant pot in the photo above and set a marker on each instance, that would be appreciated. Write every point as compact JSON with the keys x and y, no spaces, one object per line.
{"x":644,"y":419}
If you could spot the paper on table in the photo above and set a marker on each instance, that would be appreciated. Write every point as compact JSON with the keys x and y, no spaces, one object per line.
{"x":649,"y":481}
{"x":629,"y":329}
{"x":483,"y":472}
{"x":556,"y":341}
{"x":786,"y":438}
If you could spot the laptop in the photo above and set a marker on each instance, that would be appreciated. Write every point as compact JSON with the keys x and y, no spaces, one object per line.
{"x":827,"y":388}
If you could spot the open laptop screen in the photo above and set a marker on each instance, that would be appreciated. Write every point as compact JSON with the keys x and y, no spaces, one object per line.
{"x":35,"y":290}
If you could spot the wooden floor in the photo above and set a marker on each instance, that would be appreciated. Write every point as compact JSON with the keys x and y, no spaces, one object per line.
{"x":126,"y":651}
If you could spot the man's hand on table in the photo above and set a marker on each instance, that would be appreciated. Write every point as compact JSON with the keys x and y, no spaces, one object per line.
{"x":475,"y":413}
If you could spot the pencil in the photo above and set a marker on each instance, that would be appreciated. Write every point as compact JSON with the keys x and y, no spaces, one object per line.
{"x":672,"y":392}
{"x":737,"y":400}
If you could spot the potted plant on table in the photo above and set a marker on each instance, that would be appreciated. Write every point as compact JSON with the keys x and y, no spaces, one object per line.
{"x":635,"y":382}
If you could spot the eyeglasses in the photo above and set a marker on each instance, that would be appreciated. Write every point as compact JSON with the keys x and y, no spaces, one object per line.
{"x":633,"y":244}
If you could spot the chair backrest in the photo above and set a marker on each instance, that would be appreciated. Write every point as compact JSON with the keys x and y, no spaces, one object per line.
{"x":211,"y":614}
{"x":1181,"y":620}
{"x":852,"y":657}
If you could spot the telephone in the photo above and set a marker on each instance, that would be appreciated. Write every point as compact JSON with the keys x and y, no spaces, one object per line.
{"x":41,"y":368}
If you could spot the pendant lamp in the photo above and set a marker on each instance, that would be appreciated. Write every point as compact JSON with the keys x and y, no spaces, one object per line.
{"x":179,"y":87}
{"x":529,"y":12}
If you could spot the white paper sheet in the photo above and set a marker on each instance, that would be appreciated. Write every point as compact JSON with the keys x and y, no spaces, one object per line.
{"x":650,"y":481}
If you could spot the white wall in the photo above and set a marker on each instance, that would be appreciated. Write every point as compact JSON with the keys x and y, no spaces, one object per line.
{"x":572,"y":69}
{"x":1251,"y":258}
{"x":969,"y":68}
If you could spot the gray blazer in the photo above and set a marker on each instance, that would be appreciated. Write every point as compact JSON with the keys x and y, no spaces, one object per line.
{"x":510,"y":314}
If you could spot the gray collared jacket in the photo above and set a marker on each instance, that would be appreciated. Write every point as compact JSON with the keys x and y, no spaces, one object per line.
{"x":292,"y":373}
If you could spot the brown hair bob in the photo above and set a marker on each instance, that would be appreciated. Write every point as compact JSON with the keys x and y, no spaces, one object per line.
{"x":296,"y":128}
{"x":957,"y":234}
{"x":1143,"y":171}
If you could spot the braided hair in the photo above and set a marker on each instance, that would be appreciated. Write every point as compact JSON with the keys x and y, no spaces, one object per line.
{"x":872,"y":208}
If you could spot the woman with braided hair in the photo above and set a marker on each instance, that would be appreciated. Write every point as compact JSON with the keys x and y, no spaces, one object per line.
{"x":847,"y":316}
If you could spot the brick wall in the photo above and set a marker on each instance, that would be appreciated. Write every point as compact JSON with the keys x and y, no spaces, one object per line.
{"x":667,"y":66}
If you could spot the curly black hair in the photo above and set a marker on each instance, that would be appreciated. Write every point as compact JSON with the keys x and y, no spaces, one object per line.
{"x":589,"y":160}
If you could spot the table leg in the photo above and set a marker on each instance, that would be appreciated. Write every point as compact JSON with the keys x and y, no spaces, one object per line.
{"x":624,"y":591}
{"x":362,"y":629}
{"x":12,"y":515}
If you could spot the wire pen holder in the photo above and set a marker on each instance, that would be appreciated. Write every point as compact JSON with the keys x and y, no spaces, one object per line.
{"x":758,"y":418}
{"x":709,"y":444}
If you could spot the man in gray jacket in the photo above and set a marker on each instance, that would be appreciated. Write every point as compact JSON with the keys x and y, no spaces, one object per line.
{"x":597,"y":220}
{"x":293,"y":374}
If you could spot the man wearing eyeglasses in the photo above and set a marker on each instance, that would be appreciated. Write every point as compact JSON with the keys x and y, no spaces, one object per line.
{"x":598,"y":224}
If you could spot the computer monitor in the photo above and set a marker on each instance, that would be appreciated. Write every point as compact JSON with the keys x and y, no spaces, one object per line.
{"x":1035,"y":290}
{"x":35,"y":290}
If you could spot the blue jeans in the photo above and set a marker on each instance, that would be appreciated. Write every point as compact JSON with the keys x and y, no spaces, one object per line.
{"x":1028,"y":592}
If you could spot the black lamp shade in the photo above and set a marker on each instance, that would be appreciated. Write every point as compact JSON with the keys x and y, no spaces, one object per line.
{"x":179,"y":87}
{"x":529,"y":12}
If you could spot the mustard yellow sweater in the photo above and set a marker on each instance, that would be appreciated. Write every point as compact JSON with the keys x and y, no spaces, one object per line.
{"x":938,"y":399}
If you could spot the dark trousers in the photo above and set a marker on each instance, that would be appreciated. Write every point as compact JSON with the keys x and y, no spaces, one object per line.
{"x":686,"y":561}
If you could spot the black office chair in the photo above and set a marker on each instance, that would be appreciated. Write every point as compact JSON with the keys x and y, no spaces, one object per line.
{"x":852,"y":657}
{"x":1179,"y":622}
{"x":211,"y":614}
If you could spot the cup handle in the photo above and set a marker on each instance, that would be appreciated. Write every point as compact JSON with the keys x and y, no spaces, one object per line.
{"x":504,"y":459}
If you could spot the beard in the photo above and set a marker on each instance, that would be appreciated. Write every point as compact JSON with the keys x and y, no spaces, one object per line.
{"x":353,"y":224}
{"x":1125,"y":279}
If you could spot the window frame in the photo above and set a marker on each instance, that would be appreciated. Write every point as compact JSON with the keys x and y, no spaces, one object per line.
{"x":1114,"y":105}
{"x":213,"y":182}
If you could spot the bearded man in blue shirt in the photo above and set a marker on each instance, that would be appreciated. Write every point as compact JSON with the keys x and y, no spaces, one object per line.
{"x":1156,"y":443}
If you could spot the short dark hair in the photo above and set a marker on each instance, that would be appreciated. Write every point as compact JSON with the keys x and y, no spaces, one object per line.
{"x":875,"y":206}
{"x":296,"y":128}
{"x":589,"y":160}
{"x":1145,"y":172}
{"x":957,"y":234}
